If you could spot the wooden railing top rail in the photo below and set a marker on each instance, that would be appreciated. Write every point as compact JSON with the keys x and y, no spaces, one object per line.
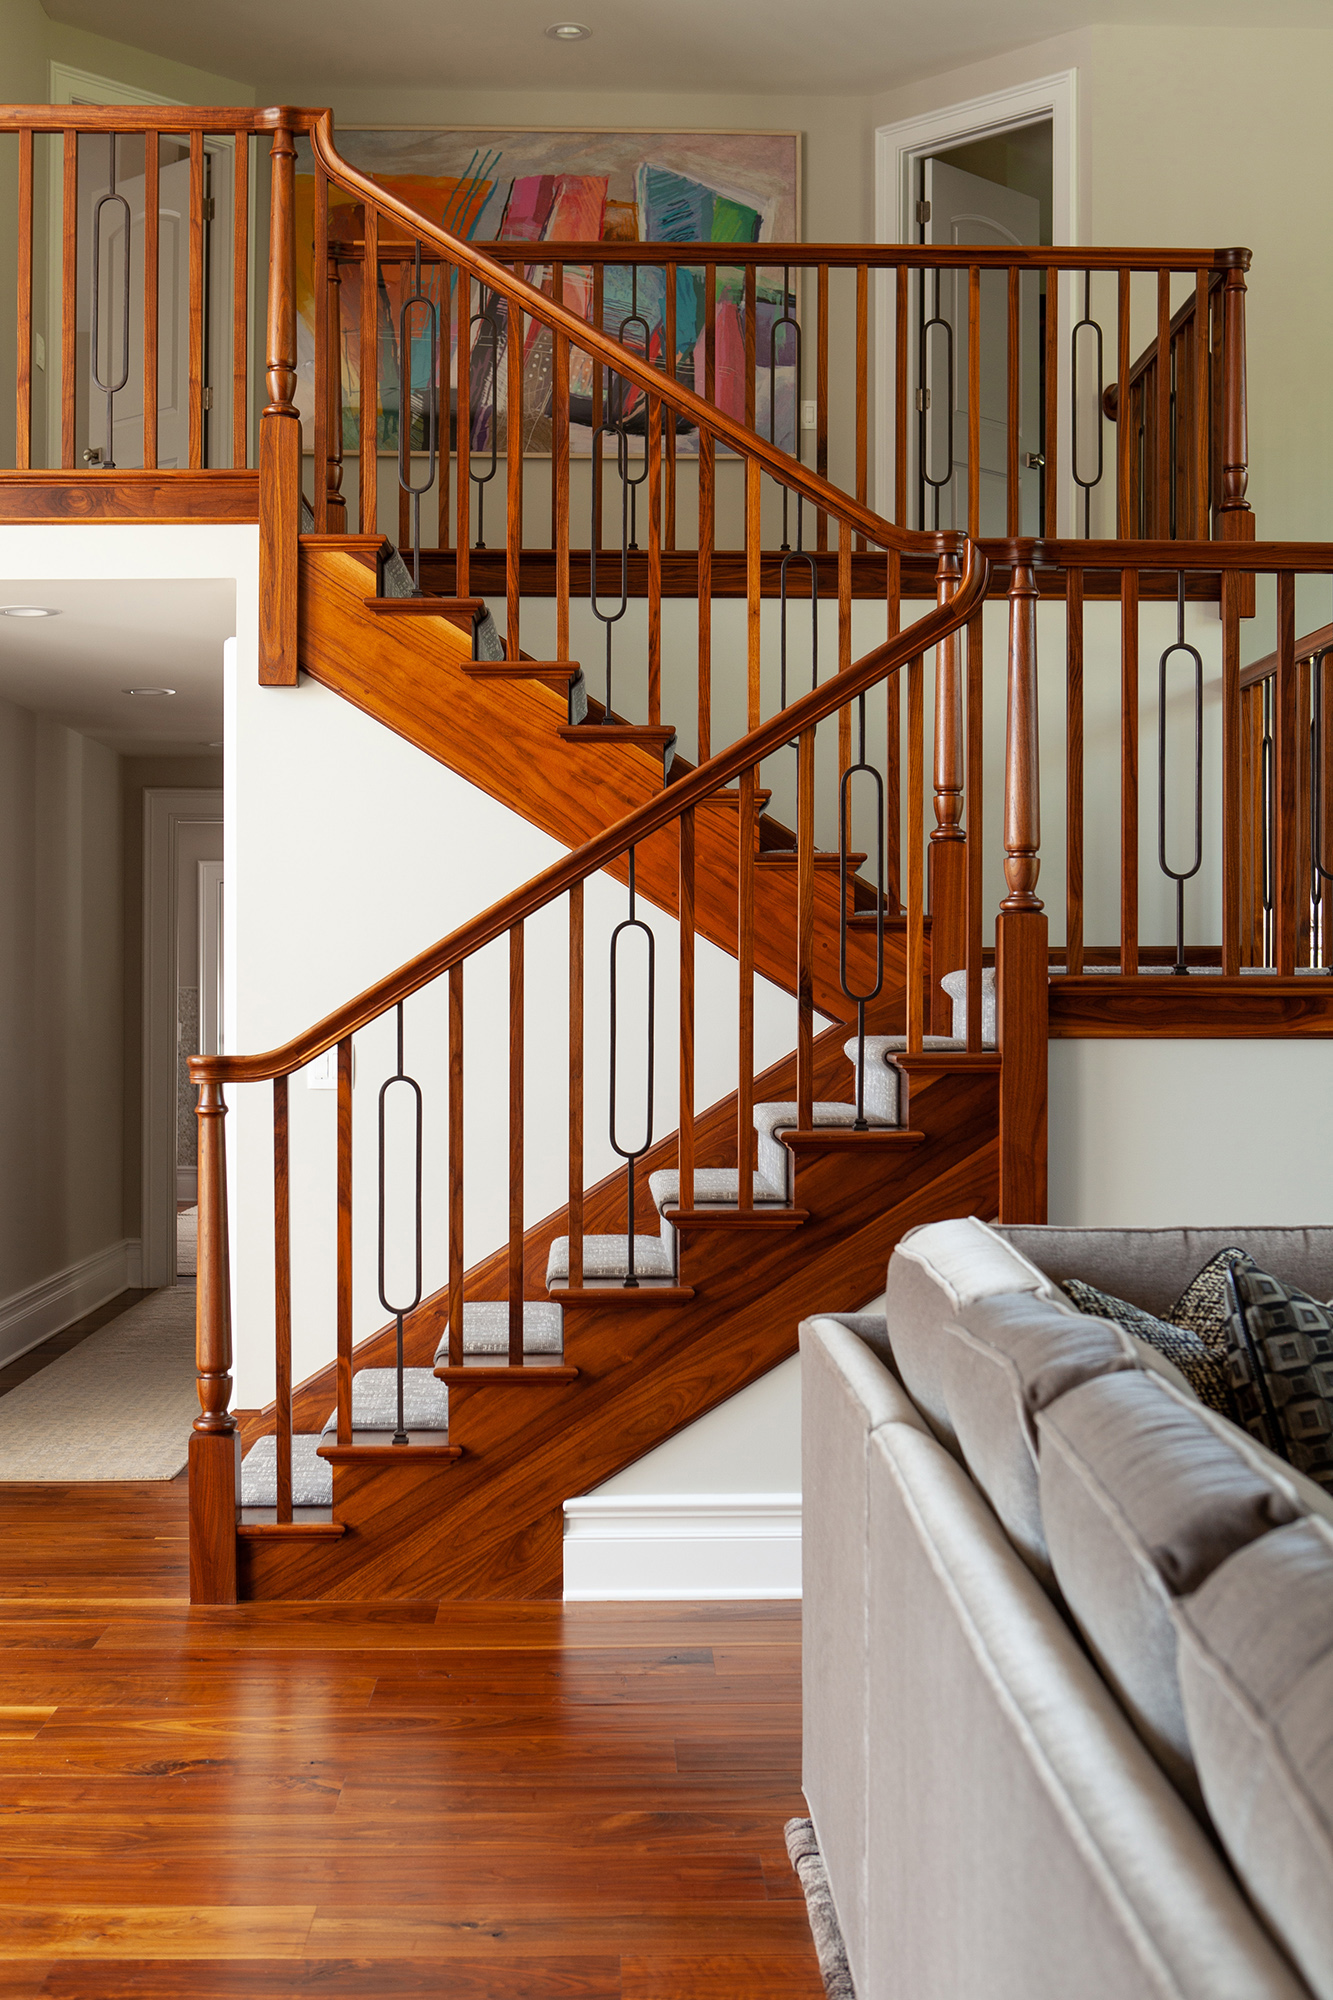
{"x":575,"y":867}
{"x":150,"y":118}
{"x":1306,"y":648}
{"x":652,"y":381}
{"x":1302,"y":558}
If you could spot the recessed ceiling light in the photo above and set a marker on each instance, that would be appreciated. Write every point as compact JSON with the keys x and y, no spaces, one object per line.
{"x":568,"y":31}
{"x":148,"y":690}
{"x":27,"y":611}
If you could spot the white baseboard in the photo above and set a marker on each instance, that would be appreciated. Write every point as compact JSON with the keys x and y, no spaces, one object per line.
{"x":683,"y":1545}
{"x":31,"y":1316}
{"x":187,"y":1184}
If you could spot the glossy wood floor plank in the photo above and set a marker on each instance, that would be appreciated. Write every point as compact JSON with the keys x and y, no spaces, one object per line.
{"x":495,"y":1802}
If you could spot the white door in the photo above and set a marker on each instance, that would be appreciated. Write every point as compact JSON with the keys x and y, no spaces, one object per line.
{"x":964,"y":209}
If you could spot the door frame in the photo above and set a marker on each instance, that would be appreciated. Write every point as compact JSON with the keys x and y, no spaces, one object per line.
{"x":898,"y":148}
{"x":165,"y":810}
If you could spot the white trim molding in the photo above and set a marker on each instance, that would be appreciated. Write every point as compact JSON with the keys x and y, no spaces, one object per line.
{"x":29,"y":1317}
{"x":682,"y":1545}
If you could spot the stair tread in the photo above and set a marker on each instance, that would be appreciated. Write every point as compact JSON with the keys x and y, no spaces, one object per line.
{"x":618,"y":732}
{"x":375,"y":1401}
{"x":779,"y":1116}
{"x":883,"y":1048}
{"x":714,"y":1187}
{"x":486,"y":1329}
{"x":425,"y":606}
{"x":312,"y":1476}
{"x":608,"y":1257}
{"x":787,"y":857}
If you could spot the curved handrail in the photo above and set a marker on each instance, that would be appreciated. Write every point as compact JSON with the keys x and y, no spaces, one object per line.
{"x":635,"y":826}
{"x":779,"y":464}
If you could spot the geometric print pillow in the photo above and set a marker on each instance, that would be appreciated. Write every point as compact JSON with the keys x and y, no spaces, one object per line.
{"x":1205,"y":1304}
{"x":1204,"y":1366}
{"x":1280,"y":1369}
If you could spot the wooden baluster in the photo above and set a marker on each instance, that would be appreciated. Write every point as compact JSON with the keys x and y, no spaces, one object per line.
{"x":710,"y":333}
{"x":948,"y":843}
{"x":282,"y":1296}
{"x":976,"y":846}
{"x":1013,"y":511}
{"x":1163,"y":468}
{"x":821,"y":397}
{"x":368,"y":427}
{"x":598,"y":408}
{"x":1289,"y":735}
{"x":669,"y":336}
{"x":705,"y":534}
{"x":336,"y":505}
{"x":1233,"y":819}
{"x":900,"y":402}
{"x":746,"y":836}
{"x":463,"y":433}
{"x":1021,"y":953}
{"x":323,"y":361}
{"x":753,"y":600}
{"x":1126,"y":430}
{"x":214,"y":1441}
{"x":1322,"y":776}
{"x":514,"y":477}
{"x":69,"y":251}
{"x":893,"y":702}
{"x":974,"y":401}
{"x":862,"y":388}
{"x":1129,"y":772}
{"x":197,"y":300}
{"x":1074,"y":771}
{"x":151,"y":274}
{"x":1303,"y":857}
{"x":558,"y":295}
{"x":560,"y":491}
{"x":456,"y":1166}
{"x":516,"y":1074}
{"x":1050,"y":515}
{"x":805,"y":928}
{"x":280,"y":435}
{"x":23,"y":371}
{"x":576,"y":1087}
{"x":844,"y":640}
{"x":1199,"y":430}
{"x":343,"y":1362}
{"x":1250,"y":830}
{"x":685,"y":1137}
{"x":443,"y":390}
{"x":750,"y":282}
{"x":240,"y":313}
{"x":654,"y":560}
{"x":916,"y":874}
{"x":1237,"y":520}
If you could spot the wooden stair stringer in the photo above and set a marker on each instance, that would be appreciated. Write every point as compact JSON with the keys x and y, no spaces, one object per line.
{"x":495,"y":1528}
{"x":408,"y":674}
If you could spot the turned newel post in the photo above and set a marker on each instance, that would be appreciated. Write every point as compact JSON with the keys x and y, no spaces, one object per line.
{"x":214,"y":1442}
{"x":948,"y":843}
{"x":280,"y":433}
{"x":337,"y":505}
{"x":1021,"y":954}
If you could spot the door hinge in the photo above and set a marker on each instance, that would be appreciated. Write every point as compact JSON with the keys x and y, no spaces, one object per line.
{"x":208,"y":399}
{"x":923,"y":211}
{"x":923,"y":399}
{"x":210,"y":208}
{"x":1034,"y":460}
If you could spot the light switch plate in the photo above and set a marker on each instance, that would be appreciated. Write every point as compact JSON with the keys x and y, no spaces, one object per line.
{"x":322,"y":1073}
{"x":809,"y":417}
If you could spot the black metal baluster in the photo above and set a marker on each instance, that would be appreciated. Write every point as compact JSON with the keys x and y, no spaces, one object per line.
{"x":632,"y":1156}
{"x":1074,"y":437}
{"x":1266,"y":809}
{"x":632,"y":318}
{"x":430,"y":407}
{"x":110,"y":389}
{"x":1180,"y":876}
{"x":485,"y":317}
{"x":925,"y":400}
{"x":861,"y":1000}
{"x":400,"y":1076}
{"x":610,"y":619}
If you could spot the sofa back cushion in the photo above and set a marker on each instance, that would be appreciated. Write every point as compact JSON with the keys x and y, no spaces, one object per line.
{"x":1001,"y":1362}
{"x":1256,"y":1675}
{"x":1153,"y":1266}
{"x":1141,"y":1500}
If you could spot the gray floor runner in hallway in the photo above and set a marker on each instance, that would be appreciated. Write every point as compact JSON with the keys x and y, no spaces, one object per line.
{"x":117,"y":1406}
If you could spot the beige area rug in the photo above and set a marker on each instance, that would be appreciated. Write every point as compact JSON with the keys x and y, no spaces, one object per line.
{"x":187,"y":1242}
{"x":117,"y":1406}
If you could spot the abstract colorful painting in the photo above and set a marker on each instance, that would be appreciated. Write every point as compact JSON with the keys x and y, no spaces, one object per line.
{"x":491,"y":186}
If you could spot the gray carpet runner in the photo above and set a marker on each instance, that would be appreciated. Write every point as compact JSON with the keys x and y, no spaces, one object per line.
{"x":714,"y":1187}
{"x":486,"y":1329}
{"x":770,"y":1119}
{"x":608,"y":1257}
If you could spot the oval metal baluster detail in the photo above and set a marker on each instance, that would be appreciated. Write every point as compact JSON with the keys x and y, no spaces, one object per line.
{"x":1075,"y":440}
{"x":430,"y":406}
{"x":1266,"y":815}
{"x":927,"y":432}
{"x":785,"y":319}
{"x":485,"y":317}
{"x":631,"y":1155}
{"x":860,"y":1000}
{"x":400,"y":1310}
{"x":610,"y":619}
{"x":618,"y":405}
{"x":1180,"y":876}
{"x":110,"y":389}
{"x":1319,"y":871}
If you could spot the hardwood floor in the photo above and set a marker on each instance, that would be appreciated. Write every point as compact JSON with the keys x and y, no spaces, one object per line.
{"x":489,"y":1801}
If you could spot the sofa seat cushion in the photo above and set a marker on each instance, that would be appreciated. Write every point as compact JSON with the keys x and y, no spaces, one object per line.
{"x":1141,"y":1500}
{"x":1001,"y":1362}
{"x":1256,"y":1676}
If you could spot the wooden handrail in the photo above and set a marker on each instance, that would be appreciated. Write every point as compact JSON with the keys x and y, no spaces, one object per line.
{"x":1306,"y":648}
{"x":595,"y":854}
{"x":1305,"y":558}
{"x":1180,"y":319}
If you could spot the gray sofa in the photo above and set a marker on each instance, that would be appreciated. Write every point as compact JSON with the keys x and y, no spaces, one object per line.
{"x":1068,"y":1638}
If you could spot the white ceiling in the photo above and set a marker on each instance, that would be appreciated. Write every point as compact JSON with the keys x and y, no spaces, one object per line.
{"x":112,"y":636}
{"x":844,"y":46}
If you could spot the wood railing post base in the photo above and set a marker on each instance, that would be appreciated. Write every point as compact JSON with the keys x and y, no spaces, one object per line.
{"x":279,"y":547}
{"x":947,"y":866}
{"x":1022,"y":974}
{"x":215,"y":1473}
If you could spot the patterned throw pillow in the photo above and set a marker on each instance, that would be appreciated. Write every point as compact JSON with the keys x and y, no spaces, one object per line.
{"x":1281,"y":1370}
{"x":1203,"y":1367}
{"x":1205,"y":1304}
